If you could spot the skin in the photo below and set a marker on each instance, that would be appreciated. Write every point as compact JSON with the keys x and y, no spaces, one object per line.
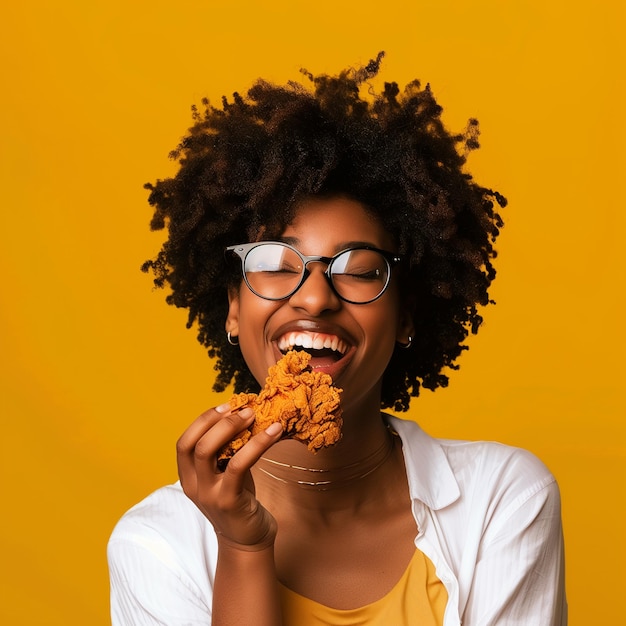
{"x":267,"y":529}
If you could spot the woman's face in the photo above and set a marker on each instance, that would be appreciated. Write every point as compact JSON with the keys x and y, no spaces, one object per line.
{"x":361,"y":337}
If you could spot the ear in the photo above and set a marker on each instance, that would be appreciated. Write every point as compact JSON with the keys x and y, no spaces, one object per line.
{"x":405,"y":327}
{"x":232,"y":319}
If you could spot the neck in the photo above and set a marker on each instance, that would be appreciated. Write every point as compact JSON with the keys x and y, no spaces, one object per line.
{"x":335,"y":476}
{"x":347,"y":467}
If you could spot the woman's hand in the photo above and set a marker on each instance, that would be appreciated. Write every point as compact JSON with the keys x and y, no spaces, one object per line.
{"x":227,"y":499}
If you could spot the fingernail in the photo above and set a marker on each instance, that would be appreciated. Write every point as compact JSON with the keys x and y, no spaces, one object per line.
{"x":246,"y":412}
{"x":274,"y":429}
{"x":222,"y":408}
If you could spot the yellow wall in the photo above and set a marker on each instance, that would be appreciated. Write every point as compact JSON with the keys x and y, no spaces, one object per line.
{"x":99,"y":376}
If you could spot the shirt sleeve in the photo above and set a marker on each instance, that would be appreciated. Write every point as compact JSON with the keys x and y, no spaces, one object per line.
{"x":162,"y":555}
{"x":519,"y":575}
{"x":149,"y":589}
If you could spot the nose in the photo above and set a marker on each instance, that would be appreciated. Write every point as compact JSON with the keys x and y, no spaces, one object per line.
{"x":315,"y":295}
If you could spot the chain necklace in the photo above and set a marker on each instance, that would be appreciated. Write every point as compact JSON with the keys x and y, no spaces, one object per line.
{"x":361,"y":469}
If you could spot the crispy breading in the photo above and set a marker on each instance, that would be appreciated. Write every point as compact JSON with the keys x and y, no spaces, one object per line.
{"x":304,"y":401}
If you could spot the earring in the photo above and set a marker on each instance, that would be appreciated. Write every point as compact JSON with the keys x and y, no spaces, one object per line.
{"x":230,"y":339}
{"x":407,"y":345}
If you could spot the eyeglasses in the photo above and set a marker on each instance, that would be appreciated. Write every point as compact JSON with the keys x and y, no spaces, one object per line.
{"x":274,"y":270}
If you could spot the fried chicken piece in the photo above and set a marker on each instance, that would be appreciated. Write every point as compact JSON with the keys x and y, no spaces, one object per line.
{"x":304,"y":401}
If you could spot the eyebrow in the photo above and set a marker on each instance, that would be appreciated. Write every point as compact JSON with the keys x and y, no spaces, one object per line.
{"x":344,"y":245}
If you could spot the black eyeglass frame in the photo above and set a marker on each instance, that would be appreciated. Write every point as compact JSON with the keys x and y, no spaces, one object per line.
{"x":243,"y":249}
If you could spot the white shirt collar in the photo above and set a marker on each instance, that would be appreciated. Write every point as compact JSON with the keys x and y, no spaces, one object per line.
{"x":431,"y":479}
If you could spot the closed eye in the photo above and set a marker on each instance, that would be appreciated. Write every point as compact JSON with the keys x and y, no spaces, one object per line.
{"x":286,"y":270}
{"x":365,"y":275}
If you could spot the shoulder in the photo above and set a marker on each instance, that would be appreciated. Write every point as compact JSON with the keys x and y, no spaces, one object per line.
{"x":484,"y":471}
{"x":160,"y":512}
{"x":489,"y":516}
{"x":499,"y":462}
{"x":162,"y":556}
{"x":165,"y":526}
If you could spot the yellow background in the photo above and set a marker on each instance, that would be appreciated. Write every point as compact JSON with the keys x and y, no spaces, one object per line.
{"x":99,"y":376}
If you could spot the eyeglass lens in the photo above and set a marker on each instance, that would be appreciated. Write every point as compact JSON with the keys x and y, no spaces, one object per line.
{"x":275,"y":271}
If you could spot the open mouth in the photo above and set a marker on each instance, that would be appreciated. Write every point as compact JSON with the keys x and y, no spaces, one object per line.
{"x":321,"y":347}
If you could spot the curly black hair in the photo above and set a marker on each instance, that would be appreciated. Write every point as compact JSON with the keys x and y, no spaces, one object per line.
{"x":244,"y":167}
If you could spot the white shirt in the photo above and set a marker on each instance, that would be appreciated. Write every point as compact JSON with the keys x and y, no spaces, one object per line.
{"x":488,"y":517}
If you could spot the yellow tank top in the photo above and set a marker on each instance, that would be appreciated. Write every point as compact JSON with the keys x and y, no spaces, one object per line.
{"x":419,"y":597}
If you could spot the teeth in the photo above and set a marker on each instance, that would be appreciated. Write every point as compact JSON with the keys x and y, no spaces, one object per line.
{"x":314,"y":341}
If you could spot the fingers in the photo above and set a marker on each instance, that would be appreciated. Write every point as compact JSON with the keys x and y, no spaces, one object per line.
{"x":227,"y":499}
{"x":200,"y":426}
{"x":249,"y":523}
{"x":209,"y":445}
{"x":198,"y":446}
{"x":236,"y":471}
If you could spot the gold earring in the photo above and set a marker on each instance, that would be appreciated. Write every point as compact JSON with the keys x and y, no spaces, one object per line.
{"x":407,"y":345}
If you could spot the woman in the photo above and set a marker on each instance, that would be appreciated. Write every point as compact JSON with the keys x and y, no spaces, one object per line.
{"x":388,"y":526}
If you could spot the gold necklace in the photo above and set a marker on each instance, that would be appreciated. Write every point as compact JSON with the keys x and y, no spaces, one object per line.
{"x":374,"y":461}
